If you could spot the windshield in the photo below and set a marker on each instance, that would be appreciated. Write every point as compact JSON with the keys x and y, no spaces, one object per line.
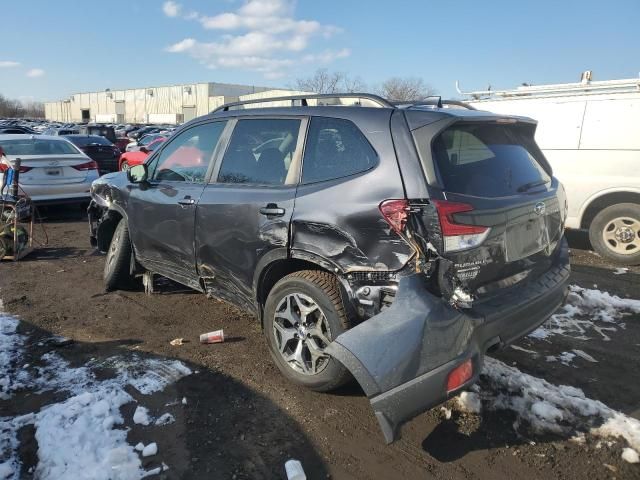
{"x":89,"y":140}
{"x":147,"y":139}
{"x":488,"y":160}
{"x":31,"y":146}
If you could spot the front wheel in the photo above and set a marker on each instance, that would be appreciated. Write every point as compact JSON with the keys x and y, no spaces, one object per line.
{"x":303,"y":314}
{"x":615,"y":233}
{"x":124,"y":167}
{"x":117,"y":264}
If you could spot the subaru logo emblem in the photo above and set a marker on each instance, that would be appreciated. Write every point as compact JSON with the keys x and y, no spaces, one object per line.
{"x":539,"y":208}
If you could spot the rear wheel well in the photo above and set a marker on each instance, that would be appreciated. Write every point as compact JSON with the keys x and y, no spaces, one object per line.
{"x":277,"y":270}
{"x":605,"y":201}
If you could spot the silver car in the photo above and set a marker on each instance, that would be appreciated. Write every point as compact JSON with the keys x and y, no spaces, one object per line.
{"x":53,"y":170}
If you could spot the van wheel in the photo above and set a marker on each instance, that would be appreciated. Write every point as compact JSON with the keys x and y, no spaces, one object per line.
{"x":615,"y":233}
{"x":303,"y":314}
{"x":116,"y":266}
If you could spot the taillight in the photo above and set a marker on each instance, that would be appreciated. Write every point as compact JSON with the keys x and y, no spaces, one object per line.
{"x":459,"y":375}
{"x":395,"y":212}
{"x":458,"y":236}
{"x":86,"y":166}
{"x":4,"y":167}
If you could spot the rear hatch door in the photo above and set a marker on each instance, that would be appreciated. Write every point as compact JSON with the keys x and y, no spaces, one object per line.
{"x":496,"y":213}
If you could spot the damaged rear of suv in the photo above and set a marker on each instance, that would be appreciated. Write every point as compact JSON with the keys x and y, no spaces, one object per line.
{"x":394,"y":244}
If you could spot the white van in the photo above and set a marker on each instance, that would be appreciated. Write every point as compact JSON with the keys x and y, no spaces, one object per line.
{"x":590,"y":133}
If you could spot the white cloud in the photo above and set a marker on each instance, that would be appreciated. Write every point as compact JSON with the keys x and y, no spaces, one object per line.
{"x":35,"y":72}
{"x":260,"y":35}
{"x":8,"y":64}
{"x":171,"y":9}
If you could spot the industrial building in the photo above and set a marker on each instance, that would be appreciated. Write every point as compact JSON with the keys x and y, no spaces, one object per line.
{"x":169,"y":104}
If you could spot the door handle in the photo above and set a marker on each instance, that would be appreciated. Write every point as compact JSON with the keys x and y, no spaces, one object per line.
{"x":272,"y":210}
{"x":187,"y":200}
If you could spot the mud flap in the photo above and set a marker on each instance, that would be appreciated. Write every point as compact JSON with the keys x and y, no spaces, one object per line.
{"x":401,"y":356}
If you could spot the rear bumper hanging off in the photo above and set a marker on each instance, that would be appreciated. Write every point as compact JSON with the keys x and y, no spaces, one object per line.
{"x":403,"y":356}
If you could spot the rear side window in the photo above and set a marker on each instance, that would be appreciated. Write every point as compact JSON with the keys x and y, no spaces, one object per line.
{"x":335,"y":148}
{"x":488,"y":160}
{"x":261,"y":151}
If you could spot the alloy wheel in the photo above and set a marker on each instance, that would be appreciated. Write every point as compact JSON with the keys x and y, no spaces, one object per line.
{"x":302,"y":333}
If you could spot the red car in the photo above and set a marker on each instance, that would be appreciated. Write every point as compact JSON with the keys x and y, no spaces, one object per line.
{"x":129,"y":159}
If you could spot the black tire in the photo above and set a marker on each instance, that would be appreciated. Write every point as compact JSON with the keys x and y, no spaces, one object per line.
{"x":323,"y":288}
{"x":604,"y":221}
{"x":117,"y":274}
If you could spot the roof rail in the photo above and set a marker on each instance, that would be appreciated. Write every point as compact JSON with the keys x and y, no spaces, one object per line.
{"x":303,"y":99}
{"x":436,"y":102}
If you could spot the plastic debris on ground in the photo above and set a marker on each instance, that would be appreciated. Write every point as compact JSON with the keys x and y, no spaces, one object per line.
{"x":294,"y":470}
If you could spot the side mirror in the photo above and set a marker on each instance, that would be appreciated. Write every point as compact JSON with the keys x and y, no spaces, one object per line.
{"x":137,"y":174}
{"x":144,"y":149}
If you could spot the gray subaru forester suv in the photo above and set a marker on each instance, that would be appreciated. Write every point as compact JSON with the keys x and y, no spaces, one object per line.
{"x":395,"y":244}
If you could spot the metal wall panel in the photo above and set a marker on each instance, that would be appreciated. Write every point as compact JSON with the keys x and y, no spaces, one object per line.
{"x":140,"y":105}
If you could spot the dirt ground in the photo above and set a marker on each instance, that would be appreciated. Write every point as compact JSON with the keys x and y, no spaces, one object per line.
{"x":245,"y":420}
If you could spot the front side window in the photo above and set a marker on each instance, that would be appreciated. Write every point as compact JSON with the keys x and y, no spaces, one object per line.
{"x":261,"y":151}
{"x":335,"y":148}
{"x":187,"y":157}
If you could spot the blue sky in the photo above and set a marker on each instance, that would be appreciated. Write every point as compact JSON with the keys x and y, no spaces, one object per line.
{"x":50,"y":50}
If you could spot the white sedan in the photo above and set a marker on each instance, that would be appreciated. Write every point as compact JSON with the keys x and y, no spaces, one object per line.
{"x":53,"y":170}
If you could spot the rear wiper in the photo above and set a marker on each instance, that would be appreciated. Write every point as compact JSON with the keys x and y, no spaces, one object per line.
{"x":530,"y":185}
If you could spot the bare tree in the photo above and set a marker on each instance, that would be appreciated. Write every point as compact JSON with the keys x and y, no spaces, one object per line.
{"x":16,"y":108}
{"x":405,"y":89}
{"x":323,"y":81}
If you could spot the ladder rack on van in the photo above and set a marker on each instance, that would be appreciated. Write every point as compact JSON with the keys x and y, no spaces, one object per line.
{"x":585,"y":86}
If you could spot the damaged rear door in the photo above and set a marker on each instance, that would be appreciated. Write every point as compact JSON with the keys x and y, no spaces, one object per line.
{"x":493,"y":218}
{"x":242,"y":219}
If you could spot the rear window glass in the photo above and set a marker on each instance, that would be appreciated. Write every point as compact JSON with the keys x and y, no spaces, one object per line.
{"x":335,"y":148}
{"x":37,"y":147}
{"x":92,"y":140}
{"x":488,"y":160}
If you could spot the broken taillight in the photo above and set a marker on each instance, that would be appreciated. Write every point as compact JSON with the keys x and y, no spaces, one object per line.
{"x":460,"y":375}
{"x":458,"y":236}
{"x":395,"y":212}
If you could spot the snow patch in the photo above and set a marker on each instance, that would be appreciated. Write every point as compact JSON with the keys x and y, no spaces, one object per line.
{"x":547,"y":408}
{"x":585,"y":312}
{"x":469,"y":402}
{"x":165,"y":419}
{"x":10,"y":355}
{"x":76,"y":436}
{"x":141,"y":416}
{"x":150,"y":450}
{"x":630,"y":455}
